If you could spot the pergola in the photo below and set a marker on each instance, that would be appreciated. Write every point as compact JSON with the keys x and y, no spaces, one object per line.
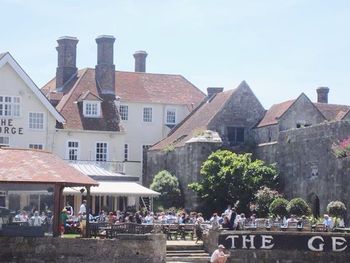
{"x":23,"y":167}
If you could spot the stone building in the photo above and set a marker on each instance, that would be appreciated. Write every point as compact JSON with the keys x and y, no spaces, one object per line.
{"x":296,"y":134}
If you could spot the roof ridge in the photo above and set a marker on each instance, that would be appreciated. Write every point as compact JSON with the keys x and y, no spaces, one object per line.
{"x":224,"y":104}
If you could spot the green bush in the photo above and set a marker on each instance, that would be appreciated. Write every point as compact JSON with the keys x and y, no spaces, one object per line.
{"x":298,"y":207}
{"x":278,"y":207}
{"x":263,"y":198}
{"x":336,"y":209}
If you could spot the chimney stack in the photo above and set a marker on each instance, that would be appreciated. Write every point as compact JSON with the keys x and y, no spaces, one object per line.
{"x":140,"y":61}
{"x":322,"y":94}
{"x":214,"y":90}
{"x":105,"y":69}
{"x":67,"y":57}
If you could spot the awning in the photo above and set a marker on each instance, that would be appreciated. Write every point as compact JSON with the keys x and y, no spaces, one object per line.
{"x":115,"y":188}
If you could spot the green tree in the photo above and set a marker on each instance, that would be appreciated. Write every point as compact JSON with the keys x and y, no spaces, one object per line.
{"x":263,"y":198}
{"x":298,"y":207}
{"x":169,"y":187}
{"x":336,"y":209}
{"x":278,"y":207}
{"x":228,"y":177}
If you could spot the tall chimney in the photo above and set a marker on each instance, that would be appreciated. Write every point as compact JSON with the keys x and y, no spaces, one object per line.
{"x":105,"y":69}
{"x":322,"y":94}
{"x":140,"y":61}
{"x":214,"y":90}
{"x":67,"y":57}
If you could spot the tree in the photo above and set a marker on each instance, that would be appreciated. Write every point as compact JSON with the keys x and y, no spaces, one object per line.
{"x":298,"y":207}
{"x":228,"y":177}
{"x":169,"y":187}
{"x":336,"y":209}
{"x":263,"y":198}
{"x":278,"y":207}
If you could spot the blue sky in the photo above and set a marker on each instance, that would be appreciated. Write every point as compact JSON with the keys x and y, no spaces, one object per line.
{"x":281,"y":48}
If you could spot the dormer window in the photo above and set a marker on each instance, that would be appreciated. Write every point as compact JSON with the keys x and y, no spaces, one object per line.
{"x":92,"y":109}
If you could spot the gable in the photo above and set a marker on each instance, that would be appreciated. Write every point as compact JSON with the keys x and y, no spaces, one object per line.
{"x":301,"y":113}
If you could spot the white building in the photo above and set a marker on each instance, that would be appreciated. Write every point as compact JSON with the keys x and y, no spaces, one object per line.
{"x":149,"y":104}
{"x":27,"y":119}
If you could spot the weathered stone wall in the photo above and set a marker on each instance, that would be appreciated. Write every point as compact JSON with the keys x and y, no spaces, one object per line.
{"x":124,"y":249}
{"x":307,"y":164}
{"x":183,"y":162}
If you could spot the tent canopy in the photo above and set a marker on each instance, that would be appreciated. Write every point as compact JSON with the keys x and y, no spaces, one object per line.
{"x":115,"y":188}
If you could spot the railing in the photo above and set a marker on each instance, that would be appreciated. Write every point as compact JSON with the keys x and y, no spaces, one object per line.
{"x":111,"y":166}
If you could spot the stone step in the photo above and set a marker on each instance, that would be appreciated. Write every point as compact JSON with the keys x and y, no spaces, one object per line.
{"x":186,"y":251}
{"x":184,"y":247}
{"x":203,"y":254}
{"x":188,"y":259}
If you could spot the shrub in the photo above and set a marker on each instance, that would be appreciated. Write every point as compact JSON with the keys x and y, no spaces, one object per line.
{"x":278,"y":207}
{"x":298,"y":207}
{"x":341,"y":149}
{"x":336,"y":209}
{"x":264,"y":197}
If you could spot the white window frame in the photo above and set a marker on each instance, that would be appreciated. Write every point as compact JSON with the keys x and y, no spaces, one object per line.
{"x":2,"y":144}
{"x":126,"y":152}
{"x":36,"y":129}
{"x":73,"y":148}
{"x":96,"y":151}
{"x":36,"y":146}
{"x":125,"y":112}
{"x":168,"y":109}
{"x":92,"y":103}
{"x":143,"y":115}
{"x":11,"y":106}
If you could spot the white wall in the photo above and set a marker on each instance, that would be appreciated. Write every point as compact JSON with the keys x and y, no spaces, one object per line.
{"x":12,"y":85}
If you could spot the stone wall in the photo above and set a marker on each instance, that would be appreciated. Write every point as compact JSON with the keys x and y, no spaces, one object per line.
{"x":124,"y":249}
{"x":307,"y":164}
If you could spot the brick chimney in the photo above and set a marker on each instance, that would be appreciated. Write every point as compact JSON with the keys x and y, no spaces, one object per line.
{"x":105,"y":69}
{"x":67,"y":57}
{"x":214,"y":90}
{"x":322,"y":94}
{"x":140,"y":61}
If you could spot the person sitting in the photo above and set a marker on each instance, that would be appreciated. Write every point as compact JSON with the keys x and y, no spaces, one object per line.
{"x":292,"y":219}
{"x":327,"y":221}
{"x":219,"y":256}
{"x":226,"y":222}
{"x":35,"y":220}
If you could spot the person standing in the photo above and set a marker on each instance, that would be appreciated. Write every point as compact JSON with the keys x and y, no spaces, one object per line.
{"x":82,"y":209}
{"x":69,"y":209}
{"x":219,"y":256}
{"x":63,"y":221}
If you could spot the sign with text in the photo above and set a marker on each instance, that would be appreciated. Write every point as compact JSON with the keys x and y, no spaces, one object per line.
{"x":307,"y":242}
{"x":7,"y":127}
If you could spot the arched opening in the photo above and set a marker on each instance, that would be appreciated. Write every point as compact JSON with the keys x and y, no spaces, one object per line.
{"x":315,"y":204}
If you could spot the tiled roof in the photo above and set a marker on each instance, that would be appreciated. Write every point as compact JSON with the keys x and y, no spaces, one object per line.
{"x":276,"y":111}
{"x":197,"y":121}
{"x":131,"y":87}
{"x":332,"y":112}
{"x":34,"y":166}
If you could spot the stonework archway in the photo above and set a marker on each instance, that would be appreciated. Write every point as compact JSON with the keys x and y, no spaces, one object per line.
{"x":315,"y":204}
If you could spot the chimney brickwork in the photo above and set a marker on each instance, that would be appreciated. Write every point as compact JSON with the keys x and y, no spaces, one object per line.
{"x":322,"y":94}
{"x":140,"y":61}
{"x":67,"y":56}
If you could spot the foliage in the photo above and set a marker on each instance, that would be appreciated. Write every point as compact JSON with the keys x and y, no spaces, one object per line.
{"x":169,"y":187}
{"x":336,"y":209}
{"x":228,"y":177}
{"x":298,"y":207}
{"x":263,"y":198}
{"x":169,"y":148}
{"x":278,"y":207}
{"x":341,"y":149}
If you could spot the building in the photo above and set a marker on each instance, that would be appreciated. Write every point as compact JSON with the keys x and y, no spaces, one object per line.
{"x":27,"y":119}
{"x":112,"y":116}
{"x":297,"y":135}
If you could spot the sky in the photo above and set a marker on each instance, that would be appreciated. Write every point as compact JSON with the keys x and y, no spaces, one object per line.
{"x":281,"y":48}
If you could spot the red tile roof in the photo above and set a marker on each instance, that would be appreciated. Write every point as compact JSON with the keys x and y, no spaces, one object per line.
{"x":35,"y":166}
{"x":332,"y":112}
{"x":131,"y":87}
{"x":198,"y":120}
{"x":276,"y":111}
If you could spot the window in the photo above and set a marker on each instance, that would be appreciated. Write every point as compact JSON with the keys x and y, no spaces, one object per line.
{"x":36,"y":146}
{"x":147,"y":114}
{"x":36,"y":120}
{"x":91,"y":109}
{"x":4,"y":142}
{"x":126,"y":152}
{"x":9,"y":106}
{"x":124,"y":112}
{"x":73,"y":150}
{"x":235,"y":135}
{"x":170,"y":116}
{"x":101,"y":151}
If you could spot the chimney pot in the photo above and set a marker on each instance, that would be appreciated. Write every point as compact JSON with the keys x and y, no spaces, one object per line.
{"x":140,"y":61}
{"x":322,"y":94}
{"x":214,"y":90}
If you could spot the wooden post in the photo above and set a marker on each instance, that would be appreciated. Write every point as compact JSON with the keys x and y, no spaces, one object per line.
{"x":88,"y":207}
{"x":57,"y":207}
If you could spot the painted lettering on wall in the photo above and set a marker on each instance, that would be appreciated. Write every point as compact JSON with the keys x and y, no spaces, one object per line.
{"x":307,"y":242}
{"x":7,"y":127}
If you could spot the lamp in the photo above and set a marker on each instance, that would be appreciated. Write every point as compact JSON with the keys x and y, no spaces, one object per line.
{"x":82,"y":190}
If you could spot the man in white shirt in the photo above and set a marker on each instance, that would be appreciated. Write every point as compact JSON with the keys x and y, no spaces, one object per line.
{"x":82,"y":209}
{"x":219,"y":256}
